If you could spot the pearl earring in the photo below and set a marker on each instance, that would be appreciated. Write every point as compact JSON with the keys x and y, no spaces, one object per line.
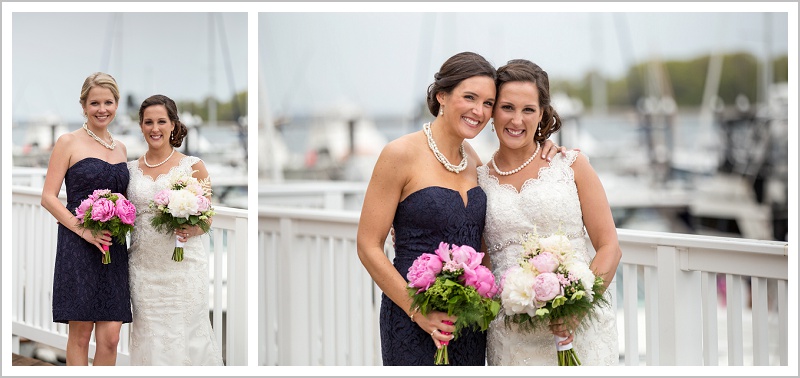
{"x":492,"y":126}
{"x":441,"y":110}
{"x":539,"y":129}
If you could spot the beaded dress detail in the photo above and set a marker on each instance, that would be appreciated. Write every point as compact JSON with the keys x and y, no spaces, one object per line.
{"x":424,"y":219}
{"x":547,"y":204}
{"x":171,"y":324}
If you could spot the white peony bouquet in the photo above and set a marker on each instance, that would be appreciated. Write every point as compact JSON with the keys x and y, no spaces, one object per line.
{"x":550,"y":282}
{"x":184,"y":202}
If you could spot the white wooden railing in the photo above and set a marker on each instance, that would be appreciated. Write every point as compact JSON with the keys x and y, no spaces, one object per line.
{"x":319,"y":306}
{"x":33,"y":252}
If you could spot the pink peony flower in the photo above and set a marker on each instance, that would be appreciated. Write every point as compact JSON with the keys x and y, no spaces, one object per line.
{"x":162,"y":197}
{"x":423,"y":271}
{"x":203,"y":204}
{"x":125,"y":211}
{"x":466,"y":256}
{"x":545,"y":262}
{"x":482,"y":279}
{"x":102,"y":210}
{"x":546,"y":287}
{"x":81,"y":210}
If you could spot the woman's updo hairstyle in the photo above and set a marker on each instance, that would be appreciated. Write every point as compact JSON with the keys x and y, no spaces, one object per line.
{"x":179,"y":131}
{"x":525,"y":70}
{"x":454,"y":70}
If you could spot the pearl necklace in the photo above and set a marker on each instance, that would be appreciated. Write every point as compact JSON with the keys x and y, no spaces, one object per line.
{"x":97,"y":138}
{"x":426,"y":128}
{"x":161,"y":163}
{"x":501,"y":173}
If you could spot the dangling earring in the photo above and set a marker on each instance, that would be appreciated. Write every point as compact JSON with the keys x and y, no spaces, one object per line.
{"x":492,"y":126}
{"x":441,"y":109}
{"x":539,"y":129}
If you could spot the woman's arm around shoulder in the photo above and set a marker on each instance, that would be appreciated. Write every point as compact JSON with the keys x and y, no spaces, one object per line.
{"x":200,"y":171}
{"x":598,"y":219}
{"x":473,"y":154}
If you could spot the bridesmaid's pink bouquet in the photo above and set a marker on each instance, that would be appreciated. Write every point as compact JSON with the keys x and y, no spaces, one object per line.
{"x":104,"y":210}
{"x":453,"y":280}
{"x":185,"y":202}
{"x":550,"y":282}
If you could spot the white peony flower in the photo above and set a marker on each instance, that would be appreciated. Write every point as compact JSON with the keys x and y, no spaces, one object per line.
{"x":517,"y":295}
{"x":182,"y":204}
{"x":580,"y":270}
{"x":558,"y":245}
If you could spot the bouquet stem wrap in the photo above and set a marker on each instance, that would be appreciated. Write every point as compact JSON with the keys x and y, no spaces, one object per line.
{"x":566,"y":355}
{"x":177,"y":253}
{"x":106,"y":255}
{"x":442,"y":358}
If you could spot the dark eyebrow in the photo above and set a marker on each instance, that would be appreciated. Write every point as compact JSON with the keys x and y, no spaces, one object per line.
{"x":476,"y":95}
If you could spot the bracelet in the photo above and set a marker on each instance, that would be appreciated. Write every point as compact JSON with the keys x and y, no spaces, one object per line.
{"x":413,"y":312}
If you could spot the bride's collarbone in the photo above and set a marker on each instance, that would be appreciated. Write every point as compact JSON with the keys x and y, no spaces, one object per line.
{"x":156,"y":172}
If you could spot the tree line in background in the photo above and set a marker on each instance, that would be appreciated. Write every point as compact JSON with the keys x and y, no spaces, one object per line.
{"x":230,"y":110}
{"x":740,"y":75}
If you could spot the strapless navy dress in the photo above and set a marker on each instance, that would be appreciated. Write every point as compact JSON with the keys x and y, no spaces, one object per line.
{"x":84,"y":289}
{"x":423,"y":220}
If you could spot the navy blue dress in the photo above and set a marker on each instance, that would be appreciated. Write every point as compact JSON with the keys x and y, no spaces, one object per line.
{"x":424,"y":219}
{"x":83,"y":288}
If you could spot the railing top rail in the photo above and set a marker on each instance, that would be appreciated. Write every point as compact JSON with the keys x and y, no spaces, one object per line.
{"x":220,"y":210}
{"x":343,"y":216}
{"x":704,"y":241}
{"x":767,"y":247}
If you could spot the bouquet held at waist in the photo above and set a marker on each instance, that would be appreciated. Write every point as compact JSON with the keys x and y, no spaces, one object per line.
{"x":104,"y":210}
{"x":550,"y":282}
{"x":452,"y":280}
{"x":184,"y":202}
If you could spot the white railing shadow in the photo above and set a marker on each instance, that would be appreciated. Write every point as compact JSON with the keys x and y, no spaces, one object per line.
{"x":33,"y":252}
{"x":319,"y":306}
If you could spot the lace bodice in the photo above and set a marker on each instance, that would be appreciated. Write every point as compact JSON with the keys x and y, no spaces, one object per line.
{"x":170,"y":299}
{"x":545,"y":205}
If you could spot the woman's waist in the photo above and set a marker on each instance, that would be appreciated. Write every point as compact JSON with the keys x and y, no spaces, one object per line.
{"x":496,"y":244}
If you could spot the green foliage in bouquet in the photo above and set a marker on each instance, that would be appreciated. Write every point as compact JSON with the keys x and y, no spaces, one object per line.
{"x":447,"y":295}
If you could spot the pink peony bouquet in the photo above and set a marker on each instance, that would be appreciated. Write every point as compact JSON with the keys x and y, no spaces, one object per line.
{"x":550,"y":282}
{"x":453,"y":280}
{"x":185,"y":202}
{"x":104,"y":210}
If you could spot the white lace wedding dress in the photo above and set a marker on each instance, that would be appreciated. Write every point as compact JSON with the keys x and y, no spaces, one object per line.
{"x":171,"y":323}
{"x":547,"y":203}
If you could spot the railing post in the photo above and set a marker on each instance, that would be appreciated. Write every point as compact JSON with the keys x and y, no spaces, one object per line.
{"x":680,"y":334}
{"x":237,"y":296}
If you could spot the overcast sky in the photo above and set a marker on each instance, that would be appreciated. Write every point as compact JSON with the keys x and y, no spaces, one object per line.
{"x":383,"y":62}
{"x":380,"y":61}
{"x":147,"y":53}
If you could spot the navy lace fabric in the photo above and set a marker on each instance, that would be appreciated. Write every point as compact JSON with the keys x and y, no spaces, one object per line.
{"x":423,"y":220}
{"x":83,"y":288}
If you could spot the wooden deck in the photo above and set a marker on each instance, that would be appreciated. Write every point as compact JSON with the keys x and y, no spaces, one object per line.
{"x":18,"y":360}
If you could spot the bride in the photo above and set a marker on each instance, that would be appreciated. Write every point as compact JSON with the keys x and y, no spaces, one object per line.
{"x":171,"y":323}
{"x":525,"y":195}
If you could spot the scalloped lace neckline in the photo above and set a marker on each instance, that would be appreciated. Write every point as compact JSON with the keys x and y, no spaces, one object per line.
{"x":141,"y":172}
{"x":524,"y":184}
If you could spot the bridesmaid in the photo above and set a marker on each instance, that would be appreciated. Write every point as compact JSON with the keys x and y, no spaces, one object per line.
{"x":88,"y":295}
